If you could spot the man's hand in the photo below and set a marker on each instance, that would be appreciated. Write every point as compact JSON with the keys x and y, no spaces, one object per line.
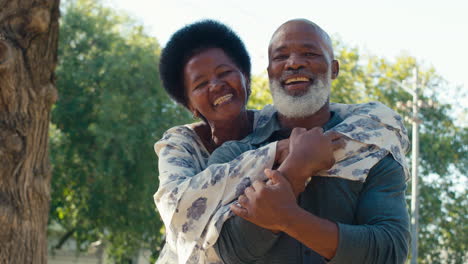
{"x":268,"y":205}
{"x":310,"y":151}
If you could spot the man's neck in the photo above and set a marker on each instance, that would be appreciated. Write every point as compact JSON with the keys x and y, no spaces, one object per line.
{"x":319,"y":119}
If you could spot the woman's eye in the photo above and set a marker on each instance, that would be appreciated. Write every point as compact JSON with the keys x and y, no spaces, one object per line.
{"x":200,"y":85}
{"x":310,"y":54}
{"x":224,"y":73}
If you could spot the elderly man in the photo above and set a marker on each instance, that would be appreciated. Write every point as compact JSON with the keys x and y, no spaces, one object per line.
{"x":356,"y":214}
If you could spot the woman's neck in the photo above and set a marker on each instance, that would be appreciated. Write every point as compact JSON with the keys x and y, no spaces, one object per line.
{"x":214,"y":134}
{"x":233,"y":129}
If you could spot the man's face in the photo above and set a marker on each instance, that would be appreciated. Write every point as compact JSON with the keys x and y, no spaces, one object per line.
{"x":300,"y":69}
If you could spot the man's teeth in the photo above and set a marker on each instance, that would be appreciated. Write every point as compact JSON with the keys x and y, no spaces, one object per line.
{"x":297,"y":79}
{"x":222,"y":99}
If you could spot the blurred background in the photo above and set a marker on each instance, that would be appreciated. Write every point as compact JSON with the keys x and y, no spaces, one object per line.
{"x":112,"y":109}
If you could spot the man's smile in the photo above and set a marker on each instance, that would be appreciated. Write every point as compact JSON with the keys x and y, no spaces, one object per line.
{"x":296,"y":79}
{"x":297,"y":84}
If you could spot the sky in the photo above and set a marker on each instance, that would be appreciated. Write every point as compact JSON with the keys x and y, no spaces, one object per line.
{"x":433,"y":31}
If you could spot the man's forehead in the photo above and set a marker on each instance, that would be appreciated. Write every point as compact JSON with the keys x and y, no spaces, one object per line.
{"x":285,"y":43}
{"x":301,"y":32}
{"x":295,"y":26}
{"x":301,"y":38}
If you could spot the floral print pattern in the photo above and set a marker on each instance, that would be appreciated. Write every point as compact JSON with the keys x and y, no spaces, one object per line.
{"x":193,"y":199}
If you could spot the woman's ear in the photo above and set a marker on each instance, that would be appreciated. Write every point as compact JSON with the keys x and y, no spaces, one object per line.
{"x":247,"y":84}
{"x":195,"y":113}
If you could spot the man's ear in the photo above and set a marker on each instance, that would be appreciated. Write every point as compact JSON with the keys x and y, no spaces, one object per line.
{"x":247,"y":82}
{"x":335,"y":69}
{"x":268,"y":70}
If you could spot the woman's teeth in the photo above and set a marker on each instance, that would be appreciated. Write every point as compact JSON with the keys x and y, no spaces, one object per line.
{"x":222,"y":99}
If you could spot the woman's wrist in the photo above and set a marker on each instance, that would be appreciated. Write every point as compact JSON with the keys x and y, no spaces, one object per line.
{"x":296,"y":175}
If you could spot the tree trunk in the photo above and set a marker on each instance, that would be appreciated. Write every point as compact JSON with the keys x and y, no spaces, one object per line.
{"x":28,"y":55}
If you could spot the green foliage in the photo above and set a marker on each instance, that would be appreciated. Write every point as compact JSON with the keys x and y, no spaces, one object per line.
{"x":111,"y":110}
{"x":260,"y":95}
{"x":349,"y":87}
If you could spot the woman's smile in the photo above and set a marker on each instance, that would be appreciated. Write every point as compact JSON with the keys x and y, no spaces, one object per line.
{"x":223,"y":99}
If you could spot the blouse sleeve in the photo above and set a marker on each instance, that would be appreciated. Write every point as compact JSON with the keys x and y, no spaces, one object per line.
{"x":193,"y":201}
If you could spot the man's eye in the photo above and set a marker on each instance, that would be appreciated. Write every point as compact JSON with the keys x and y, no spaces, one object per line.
{"x":310,"y":54}
{"x":280,"y":57}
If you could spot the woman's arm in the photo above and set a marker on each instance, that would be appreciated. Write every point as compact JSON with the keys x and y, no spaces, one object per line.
{"x":189,"y":195}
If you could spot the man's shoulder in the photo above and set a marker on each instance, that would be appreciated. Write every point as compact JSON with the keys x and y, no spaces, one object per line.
{"x":387,"y":169}
{"x":264,"y":124}
{"x":362,"y":108}
{"x":372,"y":112}
{"x":263,"y":116}
{"x":228,"y":151}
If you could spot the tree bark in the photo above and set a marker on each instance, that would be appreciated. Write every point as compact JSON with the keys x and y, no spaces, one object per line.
{"x":28,"y":56}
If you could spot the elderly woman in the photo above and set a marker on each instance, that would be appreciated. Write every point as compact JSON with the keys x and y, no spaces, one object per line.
{"x":205,"y":67}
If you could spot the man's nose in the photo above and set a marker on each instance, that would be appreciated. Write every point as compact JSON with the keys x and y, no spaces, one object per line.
{"x":295,"y":62}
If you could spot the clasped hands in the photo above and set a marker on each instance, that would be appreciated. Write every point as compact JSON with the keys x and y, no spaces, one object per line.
{"x":273,"y":204}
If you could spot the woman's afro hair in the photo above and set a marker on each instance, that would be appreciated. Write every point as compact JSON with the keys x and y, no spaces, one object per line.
{"x":193,"y":39}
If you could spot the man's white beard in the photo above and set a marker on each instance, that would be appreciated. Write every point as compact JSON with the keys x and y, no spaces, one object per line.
{"x":302,"y":105}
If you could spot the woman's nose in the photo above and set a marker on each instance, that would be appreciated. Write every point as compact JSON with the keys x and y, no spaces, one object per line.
{"x":215,"y":84}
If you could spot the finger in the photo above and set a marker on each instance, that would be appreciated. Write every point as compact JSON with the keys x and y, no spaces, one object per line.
{"x":271,"y":179}
{"x":243,"y":200}
{"x":274,"y":176}
{"x":239,"y":211}
{"x":338,"y":144}
{"x":317,"y":130}
{"x":257,"y":185}
{"x":284,"y":141}
{"x":297,"y":131}
{"x":249,"y":189}
{"x":333,"y":135}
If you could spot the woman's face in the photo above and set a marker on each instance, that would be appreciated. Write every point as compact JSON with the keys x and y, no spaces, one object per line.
{"x":214,"y":85}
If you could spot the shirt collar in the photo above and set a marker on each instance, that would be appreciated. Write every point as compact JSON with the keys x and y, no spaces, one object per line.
{"x":273,"y":128}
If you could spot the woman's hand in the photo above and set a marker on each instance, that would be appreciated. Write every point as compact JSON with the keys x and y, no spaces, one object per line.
{"x":282,"y":151}
{"x":269,"y":205}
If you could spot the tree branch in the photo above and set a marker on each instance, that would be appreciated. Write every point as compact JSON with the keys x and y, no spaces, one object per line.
{"x":64,"y":238}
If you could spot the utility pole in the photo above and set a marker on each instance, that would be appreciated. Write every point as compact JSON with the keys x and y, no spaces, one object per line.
{"x":415,"y":121}
{"x":414,"y":171}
